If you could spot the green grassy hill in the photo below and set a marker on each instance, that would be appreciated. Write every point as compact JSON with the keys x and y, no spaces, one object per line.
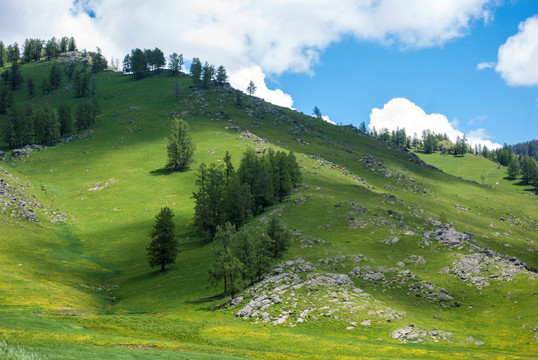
{"x":81,"y":287}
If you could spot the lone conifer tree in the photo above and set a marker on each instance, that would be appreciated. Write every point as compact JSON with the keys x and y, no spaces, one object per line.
{"x":251,"y":89}
{"x":180,"y":146}
{"x":163,"y":248}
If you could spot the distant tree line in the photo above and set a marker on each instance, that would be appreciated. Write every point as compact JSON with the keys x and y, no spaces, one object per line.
{"x":42,"y":124}
{"x":241,"y":257}
{"x":225,"y":195}
{"x":206,"y":75}
{"x":529,"y":148}
{"x":143,"y":62}
{"x":35,"y":50}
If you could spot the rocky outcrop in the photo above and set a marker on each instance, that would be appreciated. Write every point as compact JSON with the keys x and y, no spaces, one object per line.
{"x":391,"y":279}
{"x":296,"y":292}
{"x":413,"y":334}
{"x":480,"y":269}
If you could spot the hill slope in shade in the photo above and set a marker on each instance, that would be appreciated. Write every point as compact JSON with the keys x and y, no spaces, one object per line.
{"x":390,"y":257}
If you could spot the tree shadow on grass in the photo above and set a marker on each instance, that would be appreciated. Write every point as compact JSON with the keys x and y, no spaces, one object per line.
{"x":167,"y":171}
{"x":162,"y":172}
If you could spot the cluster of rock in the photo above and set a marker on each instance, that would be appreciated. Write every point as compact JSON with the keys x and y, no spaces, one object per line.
{"x":447,"y":235}
{"x":343,"y":171}
{"x":391,"y":278}
{"x":413,"y":334}
{"x":70,"y":138}
{"x":414,"y":259}
{"x":295,"y":292}
{"x":309,"y":242}
{"x":14,"y":201}
{"x":17,"y":203}
{"x":371,"y":163}
{"x":333,"y":262}
{"x":391,"y":240}
{"x":26,"y":151}
{"x":408,"y":184}
{"x":479,"y":269}
{"x":100,"y":185}
{"x":355,"y":208}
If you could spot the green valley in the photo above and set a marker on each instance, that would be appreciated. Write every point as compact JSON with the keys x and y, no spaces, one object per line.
{"x":390,"y":257}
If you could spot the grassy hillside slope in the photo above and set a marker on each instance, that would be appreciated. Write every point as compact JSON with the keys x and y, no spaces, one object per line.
{"x":85,"y":289}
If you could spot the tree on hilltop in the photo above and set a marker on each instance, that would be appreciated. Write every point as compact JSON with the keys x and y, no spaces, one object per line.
{"x":163,"y":250}
{"x":99,"y":63}
{"x":316,"y":112}
{"x":222,"y":77}
{"x":180,"y":146}
{"x":461,"y":146}
{"x":72,"y":46}
{"x":175,"y":63}
{"x":208,"y":72}
{"x":196,"y":71}
{"x":251,"y":89}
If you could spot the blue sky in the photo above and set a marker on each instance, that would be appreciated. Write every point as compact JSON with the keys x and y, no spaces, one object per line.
{"x":389,"y":63}
{"x":354,"y":77}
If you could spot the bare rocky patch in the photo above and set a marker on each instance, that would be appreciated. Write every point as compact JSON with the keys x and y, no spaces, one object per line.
{"x":296,"y":292}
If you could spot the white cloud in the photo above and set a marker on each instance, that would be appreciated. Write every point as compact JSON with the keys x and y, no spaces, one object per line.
{"x":276,"y":36}
{"x":402,"y":113}
{"x":327,"y":119}
{"x":480,"y":136}
{"x":241,"y":78}
{"x":485,"y":65}
{"x":518,"y":56}
{"x":477,"y":120}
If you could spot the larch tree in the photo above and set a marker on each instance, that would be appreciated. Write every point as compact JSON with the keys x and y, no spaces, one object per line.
{"x":163,"y":249}
{"x":180,"y":146}
{"x":317,"y":112}
{"x":251,"y":89}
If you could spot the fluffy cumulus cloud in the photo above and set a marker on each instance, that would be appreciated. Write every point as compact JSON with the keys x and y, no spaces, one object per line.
{"x":240,"y":79}
{"x":402,"y":113}
{"x":271,"y":37}
{"x":327,"y":119}
{"x":518,"y":56}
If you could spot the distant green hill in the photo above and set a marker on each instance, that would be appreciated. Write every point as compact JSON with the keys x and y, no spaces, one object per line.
{"x":390,"y":258}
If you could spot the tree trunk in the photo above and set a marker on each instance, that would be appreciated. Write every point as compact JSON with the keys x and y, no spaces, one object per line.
{"x":162,"y":268}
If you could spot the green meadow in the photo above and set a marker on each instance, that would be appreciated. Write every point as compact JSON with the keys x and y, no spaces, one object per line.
{"x":82,"y":287}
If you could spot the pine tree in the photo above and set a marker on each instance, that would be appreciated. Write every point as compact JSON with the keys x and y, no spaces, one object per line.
{"x":163,"y":249}
{"x":15,"y":76}
{"x":72,"y":46}
{"x":513,"y":168}
{"x":226,"y":265}
{"x":222,"y":77}
{"x":64,"y":116}
{"x":31,"y":87}
{"x":6,"y":100}
{"x":251,"y":89}
{"x":317,"y":112}
{"x":180,"y":145}
{"x":280,"y":237}
{"x":55,"y":76}
{"x":196,"y":71}
{"x":173,"y":63}
{"x":3,"y":55}
{"x":208,"y":72}
{"x":281,"y":176}
{"x":209,"y":210}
